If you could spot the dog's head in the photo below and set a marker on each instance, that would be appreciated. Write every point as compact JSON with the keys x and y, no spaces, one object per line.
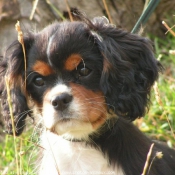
{"x":79,"y":75}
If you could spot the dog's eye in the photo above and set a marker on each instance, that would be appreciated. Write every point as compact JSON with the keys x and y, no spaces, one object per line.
{"x":38,"y":81}
{"x":84,"y":71}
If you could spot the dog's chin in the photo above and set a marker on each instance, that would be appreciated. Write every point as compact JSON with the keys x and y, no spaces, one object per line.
{"x":72,"y":129}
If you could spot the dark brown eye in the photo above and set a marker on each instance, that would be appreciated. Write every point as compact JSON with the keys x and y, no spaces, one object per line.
{"x":84,"y":71}
{"x":38,"y":81}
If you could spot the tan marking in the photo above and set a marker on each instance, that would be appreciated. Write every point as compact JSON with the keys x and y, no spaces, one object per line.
{"x":42,"y":68}
{"x":94,"y":109}
{"x":106,"y":64}
{"x":72,"y":62}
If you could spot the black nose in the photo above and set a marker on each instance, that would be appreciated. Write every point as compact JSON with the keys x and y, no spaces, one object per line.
{"x":61,"y":101}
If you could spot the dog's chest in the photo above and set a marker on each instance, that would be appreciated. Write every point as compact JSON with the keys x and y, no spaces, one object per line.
{"x":73,"y":158}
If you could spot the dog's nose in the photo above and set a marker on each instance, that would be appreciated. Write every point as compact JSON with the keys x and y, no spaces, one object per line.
{"x":61,"y":101}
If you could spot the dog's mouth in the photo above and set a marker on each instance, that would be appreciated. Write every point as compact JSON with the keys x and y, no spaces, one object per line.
{"x":59,"y":122}
{"x":71,"y":128}
{"x":65,"y":120}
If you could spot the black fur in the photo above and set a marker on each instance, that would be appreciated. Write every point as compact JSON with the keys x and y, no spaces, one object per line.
{"x":12,"y":69}
{"x":125,"y":145}
{"x":123,"y":69}
{"x":132,"y":69}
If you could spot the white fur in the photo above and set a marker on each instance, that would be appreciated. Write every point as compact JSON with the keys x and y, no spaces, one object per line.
{"x":75,"y":127}
{"x":63,"y":157}
{"x":59,"y":89}
{"x":49,"y":46}
{"x":73,"y":158}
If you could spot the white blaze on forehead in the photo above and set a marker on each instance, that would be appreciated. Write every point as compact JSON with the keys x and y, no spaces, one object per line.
{"x":59,"y":89}
{"x":49,"y":46}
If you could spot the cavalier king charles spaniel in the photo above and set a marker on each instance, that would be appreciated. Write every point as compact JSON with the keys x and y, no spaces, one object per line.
{"x":87,"y":80}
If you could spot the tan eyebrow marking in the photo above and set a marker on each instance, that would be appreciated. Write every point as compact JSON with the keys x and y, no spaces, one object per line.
{"x":72,"y":62}
{"x":42,"y":68}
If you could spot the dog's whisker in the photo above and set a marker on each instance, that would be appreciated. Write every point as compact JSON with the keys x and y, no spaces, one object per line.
{"x":102,"y":103}
{"x":97,"y":146}
{"x":99,"y":97}
{"x":22,"y":115}
{"x":18,"y":128}
{"x":83,"y":106}
{"x":107,"y":104}
{"x":90,"y":101}
{"x":32,"y":153}
{"x":26,"y":78}
{"x":36,"y":127}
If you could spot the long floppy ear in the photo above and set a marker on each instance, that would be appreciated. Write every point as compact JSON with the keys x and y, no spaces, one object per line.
{"x":129,"y":68}
{"x":12,"y":73}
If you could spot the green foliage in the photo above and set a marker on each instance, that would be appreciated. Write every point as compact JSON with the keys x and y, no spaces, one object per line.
{"x":27,"y":151}
{"x":159,"y":123}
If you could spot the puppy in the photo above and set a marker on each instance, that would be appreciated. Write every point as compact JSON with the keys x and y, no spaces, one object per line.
{"x":87,"y":81}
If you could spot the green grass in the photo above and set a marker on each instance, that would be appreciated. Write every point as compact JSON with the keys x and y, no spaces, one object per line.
{"x":27,"y":151}
{"x":159,"y":123}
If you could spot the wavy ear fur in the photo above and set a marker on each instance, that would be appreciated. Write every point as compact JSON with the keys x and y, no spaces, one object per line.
{"x":129,"y":68}
{"x":12,"y":69}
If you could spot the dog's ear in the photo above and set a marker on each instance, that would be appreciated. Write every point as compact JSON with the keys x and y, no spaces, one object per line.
{"x":129,"y":68}
{"x":12,"y":75}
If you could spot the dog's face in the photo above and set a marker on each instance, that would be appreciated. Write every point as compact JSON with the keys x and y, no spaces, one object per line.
{"x":63,"y":80}
{"x":79,"y":75}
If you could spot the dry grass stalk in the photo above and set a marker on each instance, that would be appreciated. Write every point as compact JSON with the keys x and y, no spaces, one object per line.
{"x":20,"y":160}
{"x":172,"y":52}
{"x":53,"y":156}
{"x":69,"y":11}
{"x":145,"y":5}
{"x":107,"y":11}
{"x":37,"y":145}
{"x":172,"y":131}
{"x":7,"y":81}
{"x":169,"y":29}
{"x":157,"y":95}
{"x":55,"y":10}
{"x":147,"y":160}
{"x":33,"y":9}
{"x":21,"y":40}
{"x":158,"y":155}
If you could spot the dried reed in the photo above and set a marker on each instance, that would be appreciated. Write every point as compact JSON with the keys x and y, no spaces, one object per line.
{"x":21,"y":40}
